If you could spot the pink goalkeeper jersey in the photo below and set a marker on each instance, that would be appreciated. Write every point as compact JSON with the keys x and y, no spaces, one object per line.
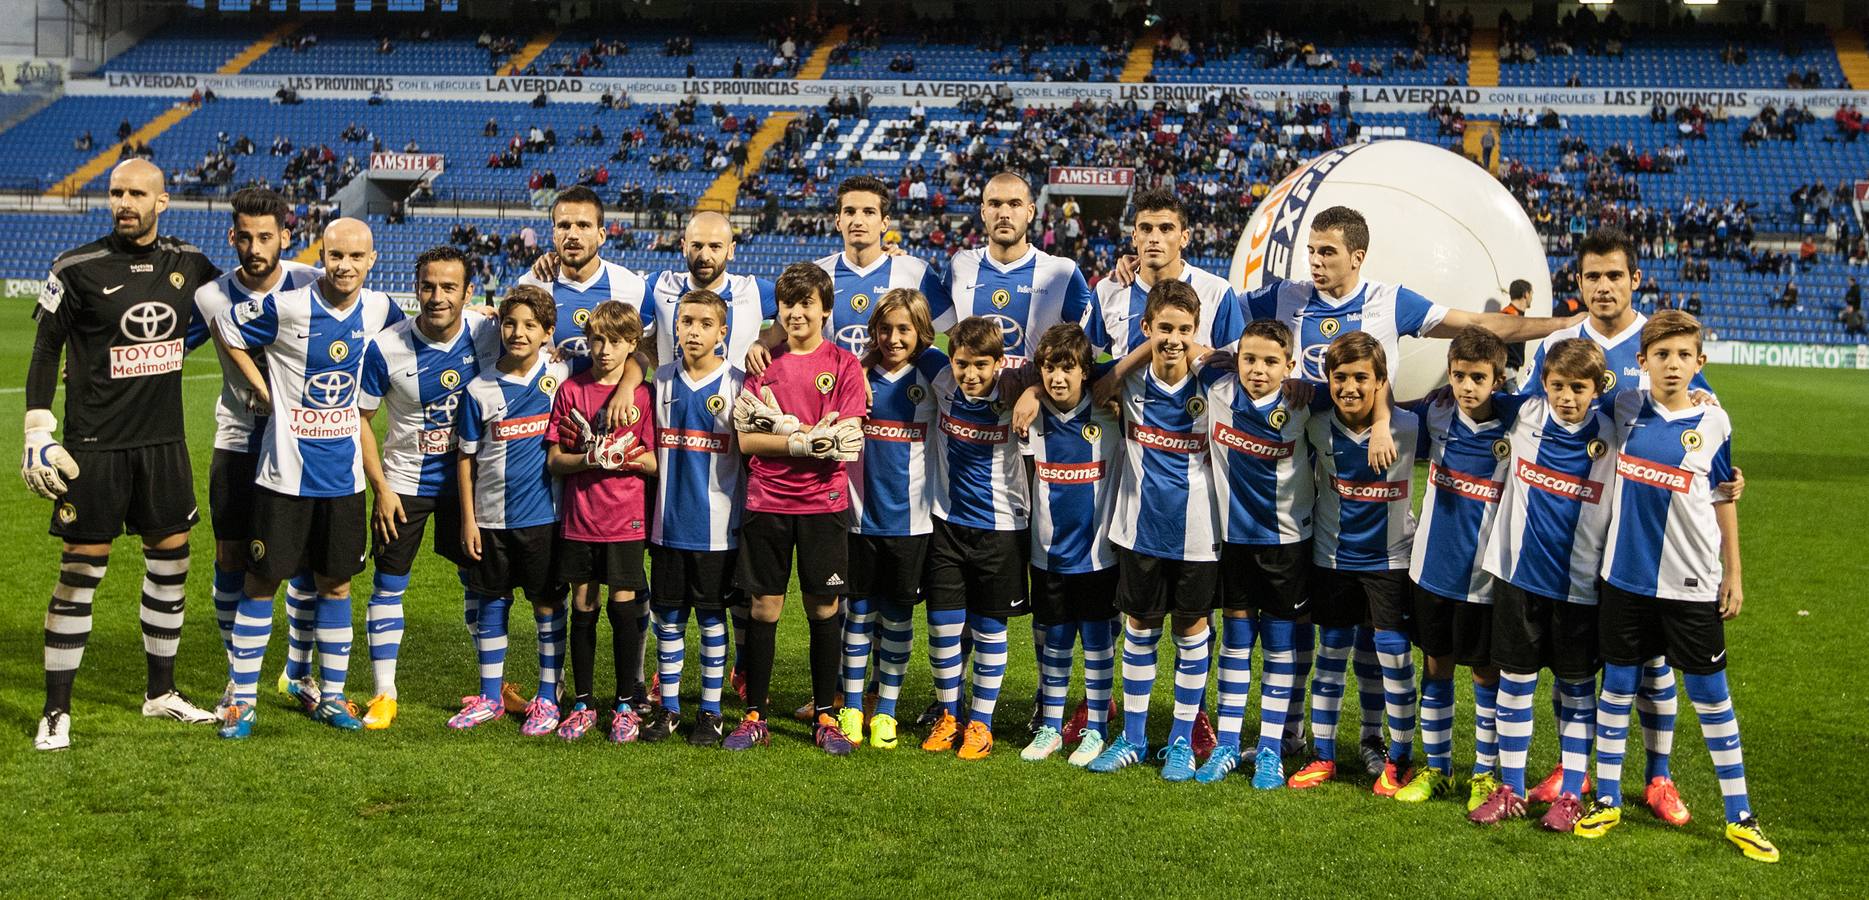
{"x":807,"y":385}
{"x":596,"y":505}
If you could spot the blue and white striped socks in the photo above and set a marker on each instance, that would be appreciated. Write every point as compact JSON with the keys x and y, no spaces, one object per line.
{"x":334,"y":639}
{"x":383,"y":628}
{"x":1516,"y":692}
{"x":490,"y":642}
{"x":1437,"y":723}
{"x":1485,"y":728}
{"x":1576,"y":731}
{"x":859,"y":622}
{"x":895,"y":637}
{"x":1138,"y":681}
{"x":1054,"y":672}
{"x":989,"y":666}
{"x":1396,"y":660}
{"x":1193,"y":660}
{"x":1099,"y":674}
{"x":1276,"y":639}
{"x":551,"y":624}
{"x":1333,"y":658}
{"x":945,"y":628}
{"x":1236,"y":639}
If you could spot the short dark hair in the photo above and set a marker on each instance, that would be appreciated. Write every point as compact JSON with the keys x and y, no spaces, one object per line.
{"x":1174,"y":294}
{"x":1356,"y":346}
{"x":868,"y":184}
{"x":532,"y":298}
{"x":1519,"y":289}
{"x":1576,"y":358}
{"x":443,"y":253}
{"x":707,"y":298}
{"x":1064,"y":343}
{"x":1606,"y":240}
{"x":1161,"y":201}
{"x":256,"y":202}
{"x":978,"y":335}
{"x":580,"y":194}
{"x":1668,"y":323}
{"x":802,"y":279}
{"x":1476,"y":344}
{"x":1271,"y":330}
{"x":1346,"y":221}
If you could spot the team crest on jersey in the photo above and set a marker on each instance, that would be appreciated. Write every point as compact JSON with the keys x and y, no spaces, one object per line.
{"x":1690,"y":440}
{"x":1092,"y":432}
{"x":916,"y":393}
{"x":1329,"y":327}
{"x":1502,"y":448}
{"x":631,"y":414}
{"x":257,"y":550}
{"x":1001,"y":298}
{"x":1609,"y":380}
{"x":825,"y":382}
{"x":175,"y":278}
{"x":67,"y":513}
{"x":450,"y":379}
{"x":1197,"y":406}
{"x":1278,"y":418}
{"x":860,"y":302}
{"x":339,"y":351}
{"x":580,"y":317}
{"x":548,"y":385}
{"x":716,"y":403}
{"x":1595,"y":448}
{"x":999,"y":407}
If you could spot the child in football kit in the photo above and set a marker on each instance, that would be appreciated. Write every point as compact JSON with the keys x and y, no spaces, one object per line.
{"x":1361,"y":537}
{"x":1076,"y":445}
{"x":977,"y":555}
{"x":800,"y":421}
{"x":693,"y":533}
{"x":891,"y":507}
{"x":603,"y":519}
{"x":1671,"y":571}
{"x":509,"y":506}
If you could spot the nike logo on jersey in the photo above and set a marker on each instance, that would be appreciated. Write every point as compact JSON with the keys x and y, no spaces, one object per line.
{"x":111,"y":290}
{"x":1718,"y":656}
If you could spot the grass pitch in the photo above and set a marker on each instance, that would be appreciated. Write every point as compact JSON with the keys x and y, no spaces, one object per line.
{"x":154,"y":808}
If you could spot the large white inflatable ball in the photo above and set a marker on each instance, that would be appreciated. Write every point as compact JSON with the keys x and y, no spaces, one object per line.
{"x":1438,"y":225}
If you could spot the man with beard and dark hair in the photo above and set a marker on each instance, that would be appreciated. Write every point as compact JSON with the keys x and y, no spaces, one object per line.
{"x":577,"y":278}
{"x":118,"y":311}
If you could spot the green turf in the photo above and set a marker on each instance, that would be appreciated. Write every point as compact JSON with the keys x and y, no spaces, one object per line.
{"x":154,"y":808}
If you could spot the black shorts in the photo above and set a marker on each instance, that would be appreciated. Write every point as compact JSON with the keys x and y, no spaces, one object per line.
{"x":615,"y":564}
{"x":980,"y":571}
{"x":1456,"y":628}
{"x":1636,"y":629}
{"x":701,"y":579}
{"x":398,"y":556}
{"x":148,"y":491}
{"x":327,"y":535}
{"x":767,"y":541}
{"x":1149,"y":587}
{"x":1341,"y":599}
{"x":516,"y":559}
{"x":1532,"y":632}
{"x":1058,"y":598}
{"x":888,"y":568}
{"x":230,"y":494}
{"x":1268,"y":578}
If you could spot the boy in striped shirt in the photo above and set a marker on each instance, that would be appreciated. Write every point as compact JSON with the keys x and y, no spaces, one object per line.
{"x":1671,"y":571}
{"x":694,"y":532}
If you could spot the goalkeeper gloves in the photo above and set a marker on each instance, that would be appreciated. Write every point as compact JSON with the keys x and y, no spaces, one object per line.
{"x":45,"y":465}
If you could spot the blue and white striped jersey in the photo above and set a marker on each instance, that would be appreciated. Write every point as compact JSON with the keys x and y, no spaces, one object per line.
{"x":975,"y":462}
{"x":700,"y":485}
{"x":1664,"y":540}
{"x":1075,"y":456}
{"x":750,"y":302}
{"x":1363,"y":521}
{"x":1547,"y":537}
{"x":1114,"y":319}
{"x":1386,"y":311}
{"x":891,"y":494}
{"x":1024,"y":298}
{"x":1165,"y":505}
{"x":235,"y":427}
{"x":313,"y":353}
{"x":1467,"y":465}
{"x":859,"y":289}
{"x":1619,"y":352}
{"x":1262,"y":464}
{"x":575,"y":300}
{"x":505,"y":425}
{"x":418,"y":383}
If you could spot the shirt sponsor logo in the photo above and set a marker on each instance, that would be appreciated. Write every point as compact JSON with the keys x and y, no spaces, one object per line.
{"x":885,"y":430}
{"x":144,"y":360}
{"x":1484,"y":490}
{"x":1070,"y":473}
{"x":1569,"y":487}
{"x":1654,"y":474}
{"x":322,"y":424}
{"x":141,"y":268}
{"x":1241,"y":442}
{"x":147,"y":321}
{"x":685,"y":439}
{"x":973,"y":432}
{"x":1370,"y":491}
{"x":435,"y":441}
{"x":521,"y":428}
{"x":1168,"y":441}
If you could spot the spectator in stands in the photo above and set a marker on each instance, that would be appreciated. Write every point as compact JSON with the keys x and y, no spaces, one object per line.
{"x":124,"y":130}
{"x":1788,"y":297}
{"x":1518,"y":303}
{"x":376,"y":97}
{"x":83,"y":143}
{"x":1852,"y":316}
{"x":491,"y":129}
{"x":540,"y":101}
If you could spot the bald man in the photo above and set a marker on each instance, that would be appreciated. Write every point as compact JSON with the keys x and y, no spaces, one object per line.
{"x":118,"y":311}
{"x":308,"y":498}
{"x":707,"y":245}
{"x":1023,"y":289}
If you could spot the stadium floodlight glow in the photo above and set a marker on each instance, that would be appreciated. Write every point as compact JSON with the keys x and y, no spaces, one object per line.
{"x":1596,"y":2}
{"x":1700,"y":2}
